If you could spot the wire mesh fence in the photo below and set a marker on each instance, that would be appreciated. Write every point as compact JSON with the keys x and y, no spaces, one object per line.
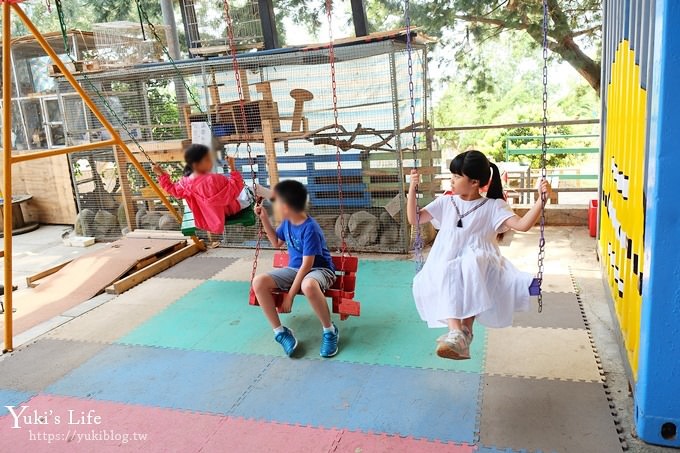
{"x":288,"y":126}
{"x":206,"y":27}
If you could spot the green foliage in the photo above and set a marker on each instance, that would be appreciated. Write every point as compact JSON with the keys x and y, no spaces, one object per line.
{"x":163,"y":110}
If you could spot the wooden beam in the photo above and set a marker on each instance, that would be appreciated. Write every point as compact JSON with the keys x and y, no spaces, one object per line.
{"x":270,"y":152}
{"x":32,"y":279}
{"x":125,"y":189}
{"x":159,"y":266}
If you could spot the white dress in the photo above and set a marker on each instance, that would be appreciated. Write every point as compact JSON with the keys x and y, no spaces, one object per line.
{"x":465,"y":274}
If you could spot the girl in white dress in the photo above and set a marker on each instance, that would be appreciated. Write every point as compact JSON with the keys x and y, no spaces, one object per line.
{"x":465,"y":276}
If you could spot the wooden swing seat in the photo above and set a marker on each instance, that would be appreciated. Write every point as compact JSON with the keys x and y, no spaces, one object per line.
{"x":341,"y":293}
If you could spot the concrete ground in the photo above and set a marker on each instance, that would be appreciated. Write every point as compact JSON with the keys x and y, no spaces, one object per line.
{"x":41,"y":249}
{"x":183,"y":363}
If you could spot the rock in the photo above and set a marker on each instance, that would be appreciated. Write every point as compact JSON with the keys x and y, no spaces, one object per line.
{"x":389,"y":231}
{"x":85,"y":223}
{"x":105,"y":224}
{"x":150,"y":220}
{"x":122,"y":216}
{"x":141,"y":212}
{"x":363,"y":227}
{"x":342,"y":220}
{"x":168,"y":222}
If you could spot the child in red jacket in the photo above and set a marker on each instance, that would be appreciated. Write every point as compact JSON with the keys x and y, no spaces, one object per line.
{"x":212,"y":197}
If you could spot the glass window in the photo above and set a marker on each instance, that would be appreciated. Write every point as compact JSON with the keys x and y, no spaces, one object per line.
{"x":34,"y":123}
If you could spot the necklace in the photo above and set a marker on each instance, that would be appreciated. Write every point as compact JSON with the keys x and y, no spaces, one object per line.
{"x":459,"y":224}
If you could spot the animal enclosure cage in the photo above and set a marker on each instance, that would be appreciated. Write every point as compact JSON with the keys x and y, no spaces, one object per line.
{"x":123,"y":43}
{"x":206,"y":28}
{"x":289,"y":127}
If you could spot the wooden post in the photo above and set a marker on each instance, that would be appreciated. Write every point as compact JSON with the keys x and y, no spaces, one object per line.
{"x":244,"y":84}
{"x":128,"y":203}
{"x":270,"y":152}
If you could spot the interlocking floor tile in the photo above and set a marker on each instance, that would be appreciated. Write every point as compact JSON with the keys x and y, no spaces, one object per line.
{"x":356,"y":442}
{"x":199,"y":267}
{"x":541,"y":353}
{"x":240,"y":270}
{"x":216,"y":317}
{"x":560,"y":310}
{"x":119,"y":316}
{"x":539,"y":414}
{"x":10,"y":398}
{"x":147,"y":429}
{"x":35,"y":366}
{"x":122,"y":427}
{"x":441,"y":405}
{"x":201,"y":381}
{"x":421,"y":403}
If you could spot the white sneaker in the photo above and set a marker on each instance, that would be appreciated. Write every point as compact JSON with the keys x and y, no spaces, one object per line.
{"x":454,"y":345}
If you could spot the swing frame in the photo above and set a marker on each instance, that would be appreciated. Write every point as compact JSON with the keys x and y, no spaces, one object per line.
{"x":10,"y":7}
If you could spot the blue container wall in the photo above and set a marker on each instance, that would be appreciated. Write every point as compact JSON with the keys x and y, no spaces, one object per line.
{"x":657,"y":395}
{"x":640,"y":216}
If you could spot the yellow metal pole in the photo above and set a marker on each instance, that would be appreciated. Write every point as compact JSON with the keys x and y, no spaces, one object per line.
{"x":59,"y":151}
{"x":93,"y":108}
{"x":7,"y":167}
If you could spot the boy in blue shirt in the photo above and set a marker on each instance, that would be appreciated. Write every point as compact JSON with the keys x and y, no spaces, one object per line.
{"x":310,"y":267}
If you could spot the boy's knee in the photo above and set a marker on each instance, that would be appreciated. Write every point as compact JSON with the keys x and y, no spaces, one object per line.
{"x":310,"y":286}
{"x":262,"y":282}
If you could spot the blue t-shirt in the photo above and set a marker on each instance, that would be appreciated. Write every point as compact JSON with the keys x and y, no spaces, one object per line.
{"x":305,"y":239}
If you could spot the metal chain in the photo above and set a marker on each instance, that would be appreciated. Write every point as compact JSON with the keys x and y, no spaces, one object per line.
{"x":418,"y":244}
{"x":544,"y":153}
{"x":100,"y":95}
{"x":334,"y":90}
{"x":244,"y":122}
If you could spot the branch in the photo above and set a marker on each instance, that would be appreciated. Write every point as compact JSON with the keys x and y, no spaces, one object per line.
{"x":492,"y":21}
{"x":585,"y":31}
{"x":346,"y":145}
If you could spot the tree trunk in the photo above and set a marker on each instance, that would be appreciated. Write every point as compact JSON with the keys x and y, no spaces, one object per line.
{"x":584,"y":65}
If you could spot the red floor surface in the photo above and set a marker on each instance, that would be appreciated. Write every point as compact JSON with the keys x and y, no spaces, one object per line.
{"x":51,"y":423}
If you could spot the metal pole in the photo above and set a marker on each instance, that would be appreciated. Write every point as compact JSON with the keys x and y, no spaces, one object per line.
{"x":170,"y":28}
{"x":7,"y":167}
{"x":268,"y":22}
{"x":359,"y":18}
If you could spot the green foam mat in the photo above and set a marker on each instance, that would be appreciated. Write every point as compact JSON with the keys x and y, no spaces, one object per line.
{"x":216,"y":316}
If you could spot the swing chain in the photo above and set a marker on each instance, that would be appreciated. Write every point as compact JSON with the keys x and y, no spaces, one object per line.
{"x":334,"y":86}
{"x":418,"y":242}
{"x":544,"y":153}
{"x":244,"y":122}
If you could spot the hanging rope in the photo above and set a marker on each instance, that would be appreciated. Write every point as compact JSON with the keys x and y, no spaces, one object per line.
{"x":141,"y":22}
{"x":244,"y":122}
{"x":166,"y":52}
{"x":544,"y":154}
{"x":336,"y":126}
{"x":418,"y":244}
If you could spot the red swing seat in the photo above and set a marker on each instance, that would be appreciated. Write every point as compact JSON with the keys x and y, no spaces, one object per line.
{"x":341,"y":293}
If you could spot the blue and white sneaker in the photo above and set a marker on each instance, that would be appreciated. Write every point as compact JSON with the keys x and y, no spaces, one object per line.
{"x":287,"y":340}
{"x":329,"y":343}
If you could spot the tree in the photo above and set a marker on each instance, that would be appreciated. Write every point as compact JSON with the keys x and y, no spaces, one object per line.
{"x":574,"y":25}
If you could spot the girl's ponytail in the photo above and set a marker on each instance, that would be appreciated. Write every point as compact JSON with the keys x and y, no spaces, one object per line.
{"x":496,"y":185}
{"x":188,"y":170}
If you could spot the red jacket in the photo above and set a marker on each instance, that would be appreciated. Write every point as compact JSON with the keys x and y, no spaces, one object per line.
{"x":212,"y":197}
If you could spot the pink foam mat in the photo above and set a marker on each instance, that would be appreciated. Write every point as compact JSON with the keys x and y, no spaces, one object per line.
{"x":76,"y":425}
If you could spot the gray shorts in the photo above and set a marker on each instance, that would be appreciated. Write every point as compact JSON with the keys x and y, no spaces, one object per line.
{"x":285,"y":276}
